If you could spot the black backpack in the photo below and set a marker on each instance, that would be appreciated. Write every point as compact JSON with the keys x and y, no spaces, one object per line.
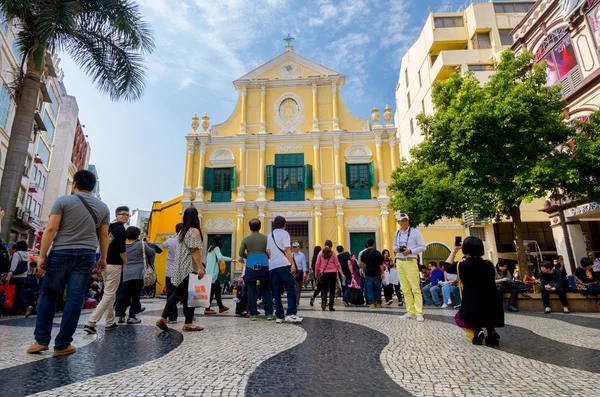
{"x":4,"y":257}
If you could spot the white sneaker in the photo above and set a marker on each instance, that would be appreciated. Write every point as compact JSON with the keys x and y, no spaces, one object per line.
{"x":407,"y":315}
{"x":293,"y":319}
{"x":420,"y":318}
{"x":444,"y":306}
{"x":279,"y":321}
{"x":388,"y":302}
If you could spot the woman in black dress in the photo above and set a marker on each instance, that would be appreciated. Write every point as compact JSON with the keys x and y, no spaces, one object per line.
{"x":481,"y":304}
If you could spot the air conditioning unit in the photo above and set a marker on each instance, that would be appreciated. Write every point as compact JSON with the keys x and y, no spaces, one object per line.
{"x":472,"y":217}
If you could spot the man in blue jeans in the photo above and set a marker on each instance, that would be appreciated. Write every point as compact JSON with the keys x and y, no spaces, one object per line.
{"x":282,"y":270}
{"x":254,"y":249}
{"x":76,"y":224}
{"x":373,"y":261}
{"x":433,"y":289}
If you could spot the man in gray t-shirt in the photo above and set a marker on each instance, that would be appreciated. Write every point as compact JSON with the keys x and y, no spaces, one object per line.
{"x":67,"y":255}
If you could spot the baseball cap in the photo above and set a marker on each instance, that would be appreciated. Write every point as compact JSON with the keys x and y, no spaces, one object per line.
{"x":400,"y":216}
{"x":296,"y":244}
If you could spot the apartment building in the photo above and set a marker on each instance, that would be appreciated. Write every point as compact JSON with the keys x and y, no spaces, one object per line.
{"x":464,"y":38}
{"x":454,"y":38}
{"x":566,"y":35}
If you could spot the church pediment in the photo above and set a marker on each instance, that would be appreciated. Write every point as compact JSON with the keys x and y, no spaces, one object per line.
{"x":288,"y":66}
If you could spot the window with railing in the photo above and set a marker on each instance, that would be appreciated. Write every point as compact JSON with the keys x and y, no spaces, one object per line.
{"x":220,"y":181}
{"x":289,"y":177}
{"x":359,"y":179}
{"x":562,"y":68}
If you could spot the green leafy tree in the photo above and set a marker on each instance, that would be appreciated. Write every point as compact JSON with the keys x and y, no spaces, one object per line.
{"x":494,"y":146}
{"x":106,"y":38}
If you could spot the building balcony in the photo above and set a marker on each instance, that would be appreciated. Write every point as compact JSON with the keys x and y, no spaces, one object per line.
{"x":447,"y":62}
{"x":34,"y":187}
{"x":35,"y":220}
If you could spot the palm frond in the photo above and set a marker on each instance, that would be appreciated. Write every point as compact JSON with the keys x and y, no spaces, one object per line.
{"x":113,"y":68}
{"x":124,"y":17}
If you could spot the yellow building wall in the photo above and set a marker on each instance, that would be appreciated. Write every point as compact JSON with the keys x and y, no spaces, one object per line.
{"x":231,"y":126}
{"x":273,"y":73}
{"x":165,"y":216}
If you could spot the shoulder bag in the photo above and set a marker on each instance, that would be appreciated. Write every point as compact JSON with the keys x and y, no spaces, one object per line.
{"x":149,"y":274}
{"x":282,"y":251}
{"x":323,"y":272}
{"x":92,"y":213}
{"x":222,"y":264}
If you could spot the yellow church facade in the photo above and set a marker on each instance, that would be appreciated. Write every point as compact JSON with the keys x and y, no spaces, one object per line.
{"x":290,"y":147}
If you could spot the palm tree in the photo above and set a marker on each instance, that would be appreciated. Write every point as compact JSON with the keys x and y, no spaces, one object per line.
{"x":107,"y":38}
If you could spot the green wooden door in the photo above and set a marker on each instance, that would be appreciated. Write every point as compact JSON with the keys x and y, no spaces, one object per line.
{"x":226,"y":250}
{"x":357,"y":242}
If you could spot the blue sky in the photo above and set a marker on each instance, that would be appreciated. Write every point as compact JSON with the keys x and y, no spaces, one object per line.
{"x":201,"y":47}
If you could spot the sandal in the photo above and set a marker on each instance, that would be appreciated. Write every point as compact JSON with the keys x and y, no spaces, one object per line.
{"x":161,"y":323}
{"x":547,"y":310}
{"x":566,"y":311}
{"x":192,"y":328}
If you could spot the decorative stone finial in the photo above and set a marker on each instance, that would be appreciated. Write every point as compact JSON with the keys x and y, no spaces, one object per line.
{"x":375,"y":115}
{"x":195,"y":123}
{"x":205,"y":122}
{"x":387,"y":114}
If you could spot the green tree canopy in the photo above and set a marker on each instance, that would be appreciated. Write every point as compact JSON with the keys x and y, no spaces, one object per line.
{"x":494,"y":146}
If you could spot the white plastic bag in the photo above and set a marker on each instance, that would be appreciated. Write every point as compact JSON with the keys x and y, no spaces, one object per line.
{"x":394,"y":277}
{"x":199,"y":291}
{"x":386,"y":277}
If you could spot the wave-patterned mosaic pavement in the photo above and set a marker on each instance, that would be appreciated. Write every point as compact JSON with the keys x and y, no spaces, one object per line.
{"x":349,"y":352}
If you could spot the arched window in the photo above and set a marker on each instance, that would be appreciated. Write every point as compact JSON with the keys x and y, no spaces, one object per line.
{"x":435,"y":252}
{"x":561,"y":63}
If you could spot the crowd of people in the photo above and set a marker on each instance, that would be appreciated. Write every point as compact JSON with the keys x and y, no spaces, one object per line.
{"x":67,"y":274}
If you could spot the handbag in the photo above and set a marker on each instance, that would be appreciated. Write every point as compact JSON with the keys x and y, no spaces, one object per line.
{"x":222,"y":264}
{"x":323,"y":272}
{"x":149,"y":274}
{"x":386,"y":278}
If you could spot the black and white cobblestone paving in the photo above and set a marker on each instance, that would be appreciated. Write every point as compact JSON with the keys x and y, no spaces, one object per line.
{"x":349,"y":352}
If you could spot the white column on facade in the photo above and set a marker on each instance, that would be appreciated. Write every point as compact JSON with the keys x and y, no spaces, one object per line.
{"x":381,"y":185}
{"x":200,"y":185}
{"x":316,"y":165}
{"x":263,"y":95}
{"x":315,"y":105}
{"x":393,"y":154}
{"x":337,"y":166}
{"x":334,"y":102}
{"x":244,"y":94}
{"x":189,"y":164}
{"x":241,"y":189}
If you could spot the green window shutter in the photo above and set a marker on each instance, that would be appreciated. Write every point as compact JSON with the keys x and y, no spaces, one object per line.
{"x":308,"y":182}
{"x":348,"y":174}
{"x":371,"y":174}
{"x":209,"y":179}
{"x":233,"y":178}
{"x":269,"y":172}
